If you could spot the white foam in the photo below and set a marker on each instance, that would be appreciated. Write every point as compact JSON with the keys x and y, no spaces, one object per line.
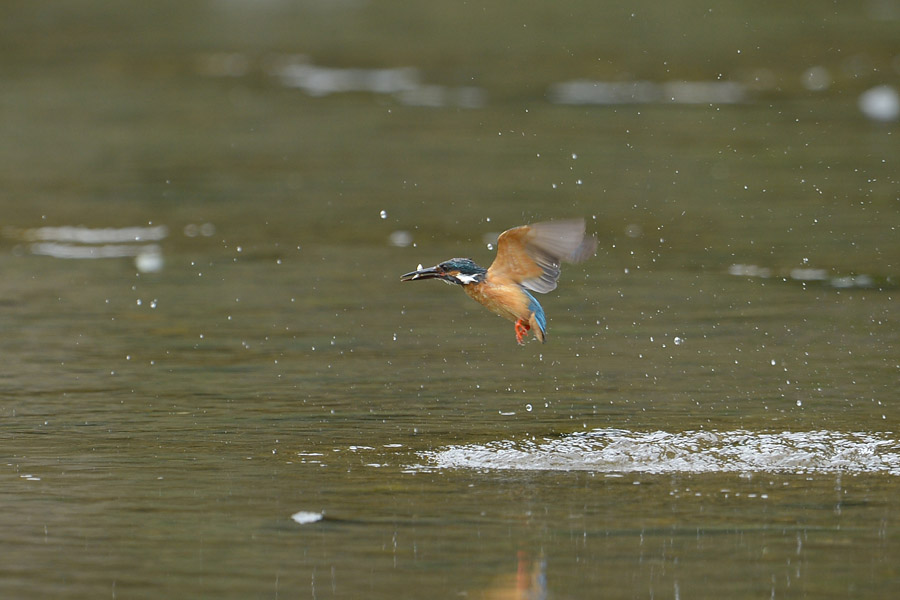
{"x":305,"y":518}
{"x":585,"y":91}
{"x":615,"y":451}
{"x":87,"y":235}
{"x":89,"y":252}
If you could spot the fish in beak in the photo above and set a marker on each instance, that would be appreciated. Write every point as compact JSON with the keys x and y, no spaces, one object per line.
{"x":420,"y":273}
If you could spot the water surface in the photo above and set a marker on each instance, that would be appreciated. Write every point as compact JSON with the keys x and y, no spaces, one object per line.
{"x":215,"y":385}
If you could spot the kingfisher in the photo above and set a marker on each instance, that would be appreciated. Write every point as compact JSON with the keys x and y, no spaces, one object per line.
{"x":528,"y":259}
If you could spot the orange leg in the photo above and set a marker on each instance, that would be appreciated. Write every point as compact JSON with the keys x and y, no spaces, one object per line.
{"x":522,"y":328}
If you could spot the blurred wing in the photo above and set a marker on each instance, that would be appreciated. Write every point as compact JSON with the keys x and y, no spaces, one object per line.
{"x":531,"y":254}
{"x":513,"y":262}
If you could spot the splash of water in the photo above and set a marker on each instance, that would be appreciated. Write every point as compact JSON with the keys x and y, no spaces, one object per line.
{"x":618,"y":451}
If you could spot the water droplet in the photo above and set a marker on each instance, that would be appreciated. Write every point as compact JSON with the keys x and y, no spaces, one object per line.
{"x":678,"y":341}
{"x":384,"y":214}
{"x":816,"y":79}
{"x":574,"y":156}
{"x":881,"y":103}
{"x":490,"y":246}
{"x":528,"y":407}
{"x":401,"y":238}
{"x":149,"y":262}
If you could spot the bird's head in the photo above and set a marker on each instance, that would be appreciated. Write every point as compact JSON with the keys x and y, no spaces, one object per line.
{"x":462,"y":271}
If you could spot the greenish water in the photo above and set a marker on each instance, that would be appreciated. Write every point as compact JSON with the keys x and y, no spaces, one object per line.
{"x":714,"y":414}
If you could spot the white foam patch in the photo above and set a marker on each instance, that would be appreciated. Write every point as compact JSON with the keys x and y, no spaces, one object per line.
{"x":618,"y":451}
{"x":304,"y":517}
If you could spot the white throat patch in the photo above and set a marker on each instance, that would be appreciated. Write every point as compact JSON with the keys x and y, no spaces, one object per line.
{"x":466,"y":279}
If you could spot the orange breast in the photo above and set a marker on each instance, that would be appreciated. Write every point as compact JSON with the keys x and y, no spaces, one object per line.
{"x":507,"y":300}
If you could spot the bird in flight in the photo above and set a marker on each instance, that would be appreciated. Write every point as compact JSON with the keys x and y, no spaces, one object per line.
{"x":528,"y":259}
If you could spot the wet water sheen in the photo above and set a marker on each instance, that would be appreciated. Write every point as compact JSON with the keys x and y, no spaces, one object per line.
{"x":214,"y":384}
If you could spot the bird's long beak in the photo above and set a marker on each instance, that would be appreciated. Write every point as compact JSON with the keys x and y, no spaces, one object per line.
{"x":429,"y":273}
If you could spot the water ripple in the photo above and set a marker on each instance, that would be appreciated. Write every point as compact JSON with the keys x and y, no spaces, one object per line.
{"x":616,"y":451}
